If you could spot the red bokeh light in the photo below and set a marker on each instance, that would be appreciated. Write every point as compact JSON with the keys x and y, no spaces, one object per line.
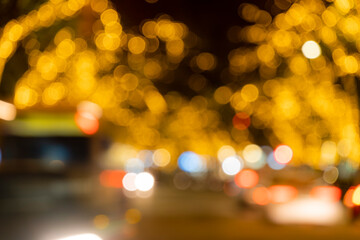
{"x":87,"y":122}
{"x":326,"y":193}
{"x":246,"y":178}
{"x":112,"y":178}
{"x":241,"y":121}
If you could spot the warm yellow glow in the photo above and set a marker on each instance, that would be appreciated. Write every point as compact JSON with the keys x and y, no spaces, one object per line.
{"x":15,"y":32}
{"x":175,"y":47}
{"x":136,"y":45}
{"x":129,"y":81}
{"x":222,"y":95}
{"x":206,"y":61}
{"x":344,"y":6}
{"x":109,"y":16}
{"x":249,"y":93}
{"x":148,"y":29}
{"x":152,"y":69}
{"x":356,"y":196}
{"x":225,"y":152}
{"x":6,"y":48}
{"x":161,"y":157}
{"x":25,"y":97}
{"x":155,"y":102}
{"x":65,"y":48}
{"x":252,"y":153}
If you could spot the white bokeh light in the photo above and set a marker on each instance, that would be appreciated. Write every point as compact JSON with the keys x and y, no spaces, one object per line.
{"x":311,"y":49}
{"x":144,"y":181}
{"x":232,"y":165}
{"x":129,"y":181}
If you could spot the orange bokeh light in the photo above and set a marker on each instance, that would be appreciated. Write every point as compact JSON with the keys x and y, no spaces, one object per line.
{"x":112,"y":178}
{"x":348,"y":202}
{"x":246,"y":178}
{"x":87,"y":122}
{"x":326,"y":193}
{"x":282,"y":193}
{"x":283,"y":154}
{"x":261,"y":196}
{"x":241,"y":121}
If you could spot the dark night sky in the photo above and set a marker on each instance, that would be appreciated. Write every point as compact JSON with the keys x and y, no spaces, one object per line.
{"x":209,"y":19}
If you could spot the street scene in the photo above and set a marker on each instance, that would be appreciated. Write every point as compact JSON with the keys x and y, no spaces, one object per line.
{"x":157,"y":120}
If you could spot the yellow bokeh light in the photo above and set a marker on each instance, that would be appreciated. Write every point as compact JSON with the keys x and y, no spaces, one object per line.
{"x":111,"y":41}
{"x":299,"y":65}
{"x":350,"y":64}
{"x":329,"y":18}
{"x":328,"y":152}
{"x":265,"y":53}
{"x":165,"y":30}
{"x":206,"y":61}
{"x":225,"y":152}
{"x":328,"y":35}
{"x":344,"y":6}
{"x":223,"y":94}
{"x":249,"y":12}
{"x":344,"y":147}
{"x":152,"y":69}
{"x":47,"y":67}
{"x":136,"y":45}
{"x":113,"y":27}
{"x":356,"y":196}
{"x":65,"y":48}
{"x":109,"y":16}
{"x":148,"y":29}
{"x":161,"y":157}
{"x":99,"y":5}
{"x":6,"y":49}
{"x":46,"y":14}
{"x":53,"y":93}
{"x":252,"y":153}
{"x":249,"y":93}
{"x":25,"y":97}
{"x":15,"y":32}
{"x":175,"y":47}
{"x":155,"y":102}
{"x":129,"y":81}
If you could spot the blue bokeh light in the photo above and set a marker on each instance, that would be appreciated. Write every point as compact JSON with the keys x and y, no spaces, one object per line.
{"x":191,"y":162}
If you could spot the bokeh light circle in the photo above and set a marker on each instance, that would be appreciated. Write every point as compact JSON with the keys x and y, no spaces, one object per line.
{"x":311,"y":49}
{"x":232,"y":165}
{"x":283,"y":154}
{"x":129,"y":181}
{"x":241,"y":121}
{"x":246,"y":178}
{"x":144,"y":181}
